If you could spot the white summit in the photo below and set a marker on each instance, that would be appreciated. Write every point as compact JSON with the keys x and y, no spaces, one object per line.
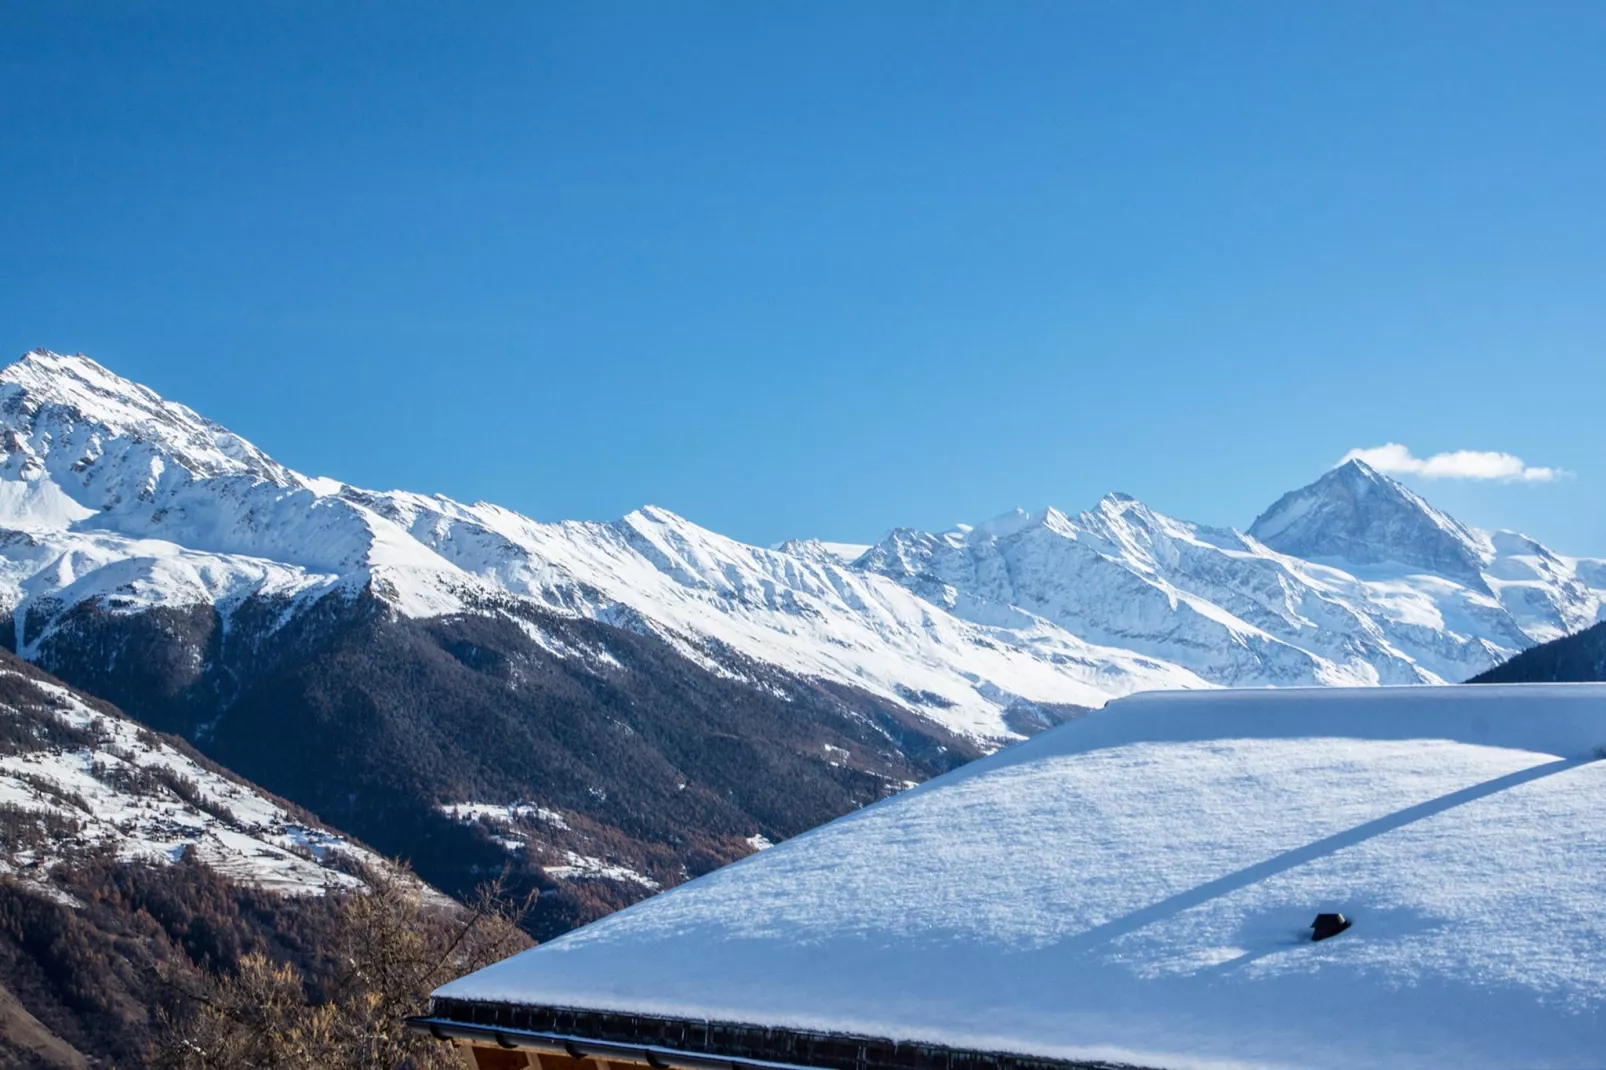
{"x":1138,"y":886}
{"x":116,"y":500}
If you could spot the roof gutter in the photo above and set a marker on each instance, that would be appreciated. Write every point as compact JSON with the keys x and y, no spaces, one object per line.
{"x":583,"y":1048}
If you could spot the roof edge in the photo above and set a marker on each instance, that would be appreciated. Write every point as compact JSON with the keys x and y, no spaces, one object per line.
{"x":689,"y":1044}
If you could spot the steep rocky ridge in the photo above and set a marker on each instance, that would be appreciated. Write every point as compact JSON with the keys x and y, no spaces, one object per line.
{"x":1241,"y":608}
{"x":606,"y":708}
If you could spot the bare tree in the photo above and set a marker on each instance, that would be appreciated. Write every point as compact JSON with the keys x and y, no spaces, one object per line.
{"x":393,"y":945}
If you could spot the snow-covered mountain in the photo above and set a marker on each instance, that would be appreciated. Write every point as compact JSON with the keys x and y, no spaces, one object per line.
{"x":403,"y":665}
{"x":115,"y":498}
{"x":76,"y":778}
{"x":1351,"y":580}
{"x":1359,"y":517}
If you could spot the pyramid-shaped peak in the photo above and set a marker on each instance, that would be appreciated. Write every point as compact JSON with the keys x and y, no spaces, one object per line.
{"x":1356,"y":514}
{"x":1355,"y":476}
{"x":1357,"y":472}
{"x":1355,"y":467}
{"x":1117,"y":503}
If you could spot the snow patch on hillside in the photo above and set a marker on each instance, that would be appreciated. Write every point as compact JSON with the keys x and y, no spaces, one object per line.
{"x":145,"y":800}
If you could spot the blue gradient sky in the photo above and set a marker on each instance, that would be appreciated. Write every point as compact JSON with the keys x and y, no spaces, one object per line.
{"x":804,"y":269}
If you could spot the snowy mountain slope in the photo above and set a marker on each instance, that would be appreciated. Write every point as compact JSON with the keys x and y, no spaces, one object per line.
{"x":816,"y":618}
{"x":133,"y":501}
{"x":116,"y":498}
{"x":129,"y":863}
{"x":76,"y":778}
{"x":1238,"y":611}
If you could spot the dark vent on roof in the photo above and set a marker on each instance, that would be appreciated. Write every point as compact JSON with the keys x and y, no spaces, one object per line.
{"x":1327,"y":925}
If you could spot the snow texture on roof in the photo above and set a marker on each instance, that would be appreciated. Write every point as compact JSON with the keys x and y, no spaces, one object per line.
{"x":1138,"y":886}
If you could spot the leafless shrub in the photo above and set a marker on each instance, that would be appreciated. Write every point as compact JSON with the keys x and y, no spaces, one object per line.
{"x":391,"y":946}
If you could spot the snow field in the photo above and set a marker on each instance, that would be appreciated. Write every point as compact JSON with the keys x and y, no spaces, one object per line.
{"x":1138,"y":885}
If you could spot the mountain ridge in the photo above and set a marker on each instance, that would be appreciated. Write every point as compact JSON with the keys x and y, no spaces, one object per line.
{"x":983,"y":634}
{"x":608,"y":707}
{"x":1237,"y":611}
{"x":242,"y":525}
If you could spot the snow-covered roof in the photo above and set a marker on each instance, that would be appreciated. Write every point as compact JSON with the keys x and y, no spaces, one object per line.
{"x":1138,"y":886}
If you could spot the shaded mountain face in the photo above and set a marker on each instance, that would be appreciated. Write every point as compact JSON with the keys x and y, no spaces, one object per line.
{"x":1579,"y":658}
{"x":606,"y":708}
{"x":463,"y":684}
{"x":465,"y":745}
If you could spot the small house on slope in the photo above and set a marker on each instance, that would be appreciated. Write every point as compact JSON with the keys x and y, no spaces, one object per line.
{"x":1135,"y":888}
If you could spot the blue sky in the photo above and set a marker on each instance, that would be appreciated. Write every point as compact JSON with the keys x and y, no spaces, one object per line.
{"x":812,"y":269}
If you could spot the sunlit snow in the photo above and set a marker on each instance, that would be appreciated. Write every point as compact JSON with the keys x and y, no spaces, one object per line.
{"x":109,"y":493}
{"x":1138,"y":885}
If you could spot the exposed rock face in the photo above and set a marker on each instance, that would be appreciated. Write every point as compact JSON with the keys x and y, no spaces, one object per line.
{"x":1357,"y":515}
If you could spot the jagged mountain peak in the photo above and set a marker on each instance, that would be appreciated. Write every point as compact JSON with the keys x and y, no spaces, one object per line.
{"x":44,"y":364}
{"x":1355,"y":513}
{"x":1116,"y":504}
{"x":657,"y":516}
{"x":1015,"y":522}
{"x":823,"y":551}
{"x":53,"y":402}
{"x":123,"y":497}
{"x":1003,"y":525}
{"x":84,"y":448}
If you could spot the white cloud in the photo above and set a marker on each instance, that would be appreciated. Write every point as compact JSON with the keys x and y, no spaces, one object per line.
{"x":1394,"y":459}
